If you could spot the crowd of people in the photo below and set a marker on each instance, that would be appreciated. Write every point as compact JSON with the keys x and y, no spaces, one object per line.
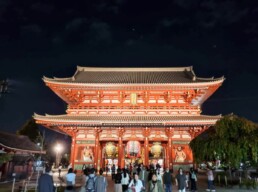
{"x":140,"y":178}
{"x":132,"y":179}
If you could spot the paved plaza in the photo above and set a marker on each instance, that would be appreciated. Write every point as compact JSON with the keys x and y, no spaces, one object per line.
{"x":202,"y":184}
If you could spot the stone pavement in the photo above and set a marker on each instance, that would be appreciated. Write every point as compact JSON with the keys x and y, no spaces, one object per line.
{"x":201,"y":184}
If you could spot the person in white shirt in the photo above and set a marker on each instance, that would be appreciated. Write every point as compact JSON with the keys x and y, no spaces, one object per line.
{"x":125,"y":180}
{"x":211,"y":186}
{"x":136,"y":184}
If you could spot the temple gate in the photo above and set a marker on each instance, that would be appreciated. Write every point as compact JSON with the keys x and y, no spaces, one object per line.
{"x":131,"y":115}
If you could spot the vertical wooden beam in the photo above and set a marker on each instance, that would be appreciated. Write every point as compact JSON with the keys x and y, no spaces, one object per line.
{"x":99,"y":165}
{"x":96,"y":155}
{"x":121,"y":157}
{"x":100,"y":156}
{"x":146,"y":133}
{"x":169,"y":161}
{"x":73,"y":146}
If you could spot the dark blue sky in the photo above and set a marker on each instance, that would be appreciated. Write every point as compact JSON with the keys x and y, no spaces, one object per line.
{"x":50,"y":38}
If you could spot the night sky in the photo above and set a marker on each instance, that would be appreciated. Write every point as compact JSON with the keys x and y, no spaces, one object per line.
{"x":50,"y":38}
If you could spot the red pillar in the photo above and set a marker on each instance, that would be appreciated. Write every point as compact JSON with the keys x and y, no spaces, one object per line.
{"x":169,"y":162}
{"x":121,"y":157}
{"x":72,"y":156}
{"x":97,"y":145}
{"x":146,"y":145}
{"x":100,"y":156}
{"x":146,"y":151}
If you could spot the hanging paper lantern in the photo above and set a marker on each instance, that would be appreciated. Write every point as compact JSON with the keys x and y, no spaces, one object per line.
{"x":156,"y":149}
{"x":133,"y":149}
{"x":110,"y":149}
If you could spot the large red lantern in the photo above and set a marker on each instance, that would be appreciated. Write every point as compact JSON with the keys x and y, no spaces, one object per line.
{"x":133,"y":149}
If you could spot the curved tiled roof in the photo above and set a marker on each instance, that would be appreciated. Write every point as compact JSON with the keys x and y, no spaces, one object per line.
{"x":93,"y":75}
{"x":126,"y":120}
{"x":18,"y":142}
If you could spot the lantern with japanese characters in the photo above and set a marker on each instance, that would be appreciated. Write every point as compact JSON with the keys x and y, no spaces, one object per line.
{"x":133,"y":149}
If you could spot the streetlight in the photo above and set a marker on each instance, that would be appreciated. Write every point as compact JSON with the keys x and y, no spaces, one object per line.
{"x":58,"y":149}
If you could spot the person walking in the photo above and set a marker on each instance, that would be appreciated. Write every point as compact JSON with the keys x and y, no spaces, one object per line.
{"x":193,"y":179}
{"x":84,"y":176}
{"x":101,"y":182}
{"x":107,"y":169}
{"x":181,"y":181}
{"x":167,"y":178}
{"x":118,"y":178}
{"x":136,"y":184}
{"x":211,"y":186}
{"x":125,"y":180}
{"x":155,"y":185}
{"x":91,"y":181}
{"x":59,"y":170}
{"x":144,"y":177}
{"x":70,"y":180}
{"x":113,"y":171}
{"x":158,"y":167}
{"x":159,"y":178}
{"x":45,"y":183}
{"x":138,"y":169}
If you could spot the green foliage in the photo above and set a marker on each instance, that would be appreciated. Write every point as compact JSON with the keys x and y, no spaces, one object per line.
{"x":232,"y":140}
{"x":5,"y":158}
{"x":248,"y":183}
{"x":30,"y":129}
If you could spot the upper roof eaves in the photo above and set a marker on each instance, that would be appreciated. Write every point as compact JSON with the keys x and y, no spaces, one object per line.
{"x":169,"y":75}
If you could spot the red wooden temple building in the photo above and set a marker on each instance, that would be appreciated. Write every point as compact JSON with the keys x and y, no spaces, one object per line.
{"x":131,"y":115}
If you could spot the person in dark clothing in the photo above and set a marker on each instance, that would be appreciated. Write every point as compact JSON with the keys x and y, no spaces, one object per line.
{"x":150,"y":174}
{"x":113,"y":171}
{"x":158,"y":167}
{"x":181,"y":181}
{"x":107,"y":169}
{"x":45,"y":183}
{"x":118,"y":178}
{"x":138,"y":170}
{"x":193,"y":179}
{"x":167,"y":179}
{"x":59,"y":170}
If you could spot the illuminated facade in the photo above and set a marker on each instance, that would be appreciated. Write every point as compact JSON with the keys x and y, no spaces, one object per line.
{"x":124,"y":115}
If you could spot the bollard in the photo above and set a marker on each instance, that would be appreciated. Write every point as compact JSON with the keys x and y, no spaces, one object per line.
{"x":14,"y":174}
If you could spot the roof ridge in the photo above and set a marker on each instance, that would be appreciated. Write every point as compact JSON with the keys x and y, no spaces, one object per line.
{"x":211,"y":78}
{"x":134,"y":69}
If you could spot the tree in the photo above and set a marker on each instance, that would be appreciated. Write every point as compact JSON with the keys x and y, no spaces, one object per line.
{"x":5,"y":158}
{"x":30,"y":129}
{"x":233,"y":140}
